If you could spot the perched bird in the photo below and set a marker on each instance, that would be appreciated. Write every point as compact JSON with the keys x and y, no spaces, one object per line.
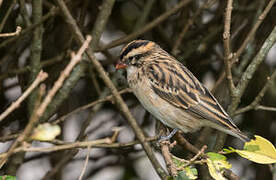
{"x":170,"y":92}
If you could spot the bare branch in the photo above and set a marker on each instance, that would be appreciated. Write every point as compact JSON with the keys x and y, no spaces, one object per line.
{"x":188,"y":24}
{"x":165,"y":149}
{"x":256,"y":103}
{"x":227,"y":49}
{"x":89,"y":105}
{"x":265,"y":108}
{"x":147,"y":27}
{"x":40,"y":109}
{"x":85,"y":163}
{"x":4,"y":19}
{"x":76,"y":58}
{"x":251,"y":69}
{"x":118,"y":99}
{"x":253,"y":30}
{"x":27,"y":130}
{"x":40,"y":78}
{"x":17,"y":31}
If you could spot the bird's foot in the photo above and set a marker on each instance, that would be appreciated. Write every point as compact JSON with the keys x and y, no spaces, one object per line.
{"x":167,"y":138}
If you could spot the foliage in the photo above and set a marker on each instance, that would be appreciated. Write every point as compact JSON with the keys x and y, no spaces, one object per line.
{"x":231,"y":53}
{"x":258,"y":150}
{"x":7,"y":177}
{"x":46,"y":132}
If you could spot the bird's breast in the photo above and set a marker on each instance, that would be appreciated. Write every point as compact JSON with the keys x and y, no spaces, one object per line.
{"x":161,"y":109}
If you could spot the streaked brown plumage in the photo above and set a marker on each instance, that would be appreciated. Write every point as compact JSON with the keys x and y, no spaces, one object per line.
{"x":170,"y":92}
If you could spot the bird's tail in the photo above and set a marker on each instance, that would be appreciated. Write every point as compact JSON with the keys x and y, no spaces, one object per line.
{"x":233,"y":131}
{"x":237,"y":133}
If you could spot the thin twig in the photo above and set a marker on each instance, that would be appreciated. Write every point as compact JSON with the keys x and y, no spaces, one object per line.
{"x":85,"y":163}
{"x":118,"y":99}
{"x":193,"y":160}
{"x":166,"y":146}
{"x":165,"y":149}
{"x":99,"y":143}
{"x":28,"y":129}
{"x":250,"y":35}
{"x":76,"y":58}
{"x":42,"y":107}
{"x":5,"y":18}
{"x":265,"y":108}
{"x":251,"y":69}
{"x":144,"y":15}
{"x":256,"y":103}
{"x":101,"y":21}
{"x":147,"y":27}
{"x":253,"y":30}
{"x":188,"y":24}
{"x":239,"y":29}
{"x":244,"y":80}
{"x":17,"y":32}
{"x":186,"y":144}
{"x":74,"y":145}
{"x":24,"y":13}
{"x":89,"y":105}
{"x":199,"y":154}
{"x":227,"y":48}
{"x":40,"y":77}
{"x":8,"y":137}
{"x":44,"y":63}
{"x":52,"y":12}
{"x":111,"y":145}
{"x":98,"y":29}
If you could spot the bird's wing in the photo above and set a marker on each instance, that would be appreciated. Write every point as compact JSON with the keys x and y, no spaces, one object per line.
{"x":173,"y":82}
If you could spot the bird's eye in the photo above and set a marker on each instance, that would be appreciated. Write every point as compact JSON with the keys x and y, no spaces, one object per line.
{"x":134,"y":60}
{"x":135,"y":57}
{"x":138,"y":56}
{"x":130,"y":58}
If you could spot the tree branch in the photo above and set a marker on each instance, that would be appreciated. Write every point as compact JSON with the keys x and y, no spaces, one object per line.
{"x":40,"y":78}
{"x":227,"y":49}
{"x":253,"y":30}
{"x":147,"y":27}
{"x":119,"y":101}
{"x":256,"y":103}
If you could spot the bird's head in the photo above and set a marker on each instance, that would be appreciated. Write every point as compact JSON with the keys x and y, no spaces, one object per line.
{"x":135,"y":54}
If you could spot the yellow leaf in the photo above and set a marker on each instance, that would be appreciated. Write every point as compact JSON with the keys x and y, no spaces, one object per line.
{"x":214,"y":172}
{"x":46,"y":132}
{"x":216,"y":165}
{"x":191,"y":173}
{"x":259,"y":150}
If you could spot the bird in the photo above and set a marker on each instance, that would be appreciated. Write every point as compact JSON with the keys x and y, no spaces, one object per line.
{"x":170,"y":92}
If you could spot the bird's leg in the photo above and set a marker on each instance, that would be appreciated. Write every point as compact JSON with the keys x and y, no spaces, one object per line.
{"x":166,"y":138}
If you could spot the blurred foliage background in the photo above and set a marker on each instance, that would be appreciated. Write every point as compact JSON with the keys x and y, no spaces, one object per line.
{"x":193,"y":33}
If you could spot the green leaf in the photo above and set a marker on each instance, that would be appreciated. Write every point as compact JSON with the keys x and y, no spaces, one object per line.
{"x":178,"y":163}
{"x":216,"y":164}
{"x":228,"y":151}
{"x":214,"y":172}
{"x":188,"y":173}
{"x":182,"y":176}
{"x":170,"y":178}
{"x":258,"y":150}
{"x":215,"y":156}
{"x":191,"y":172}
{"x":251,"y":148}
{"x":7,"y":177}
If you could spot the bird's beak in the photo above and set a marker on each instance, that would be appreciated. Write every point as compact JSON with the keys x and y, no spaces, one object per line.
{"x":120,"y":65}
